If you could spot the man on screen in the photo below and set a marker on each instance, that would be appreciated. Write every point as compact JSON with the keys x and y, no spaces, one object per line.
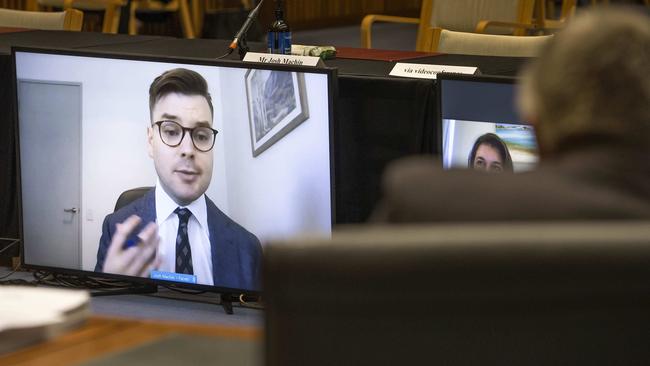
{"x":588,"y":96}
{"x":181,"y":234}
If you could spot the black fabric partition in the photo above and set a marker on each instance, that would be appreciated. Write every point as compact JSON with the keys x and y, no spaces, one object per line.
{"x":377,"y":118}
{"x":8,"y":161}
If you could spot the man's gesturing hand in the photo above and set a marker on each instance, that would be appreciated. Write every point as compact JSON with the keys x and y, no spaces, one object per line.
{"x":137,"y":260}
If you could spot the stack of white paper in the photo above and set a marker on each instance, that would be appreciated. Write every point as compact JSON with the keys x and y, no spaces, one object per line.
{"x":32,"y":314}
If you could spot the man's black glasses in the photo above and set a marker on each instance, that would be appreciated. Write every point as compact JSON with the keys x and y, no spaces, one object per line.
{"x":172,"y":134}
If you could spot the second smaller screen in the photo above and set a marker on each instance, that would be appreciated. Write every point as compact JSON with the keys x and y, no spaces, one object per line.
{"x":491,"y":146}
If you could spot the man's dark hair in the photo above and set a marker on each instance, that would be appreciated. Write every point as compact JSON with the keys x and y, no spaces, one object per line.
{"x":182,"y":81}
{"x":496,"y":143}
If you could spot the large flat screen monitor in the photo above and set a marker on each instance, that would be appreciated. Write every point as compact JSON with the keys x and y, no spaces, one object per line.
{"x":227,"y":155}
{"x":480,"y":110}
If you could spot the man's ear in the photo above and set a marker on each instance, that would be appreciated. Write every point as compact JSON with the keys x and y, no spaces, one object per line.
{"x":150,"y":141}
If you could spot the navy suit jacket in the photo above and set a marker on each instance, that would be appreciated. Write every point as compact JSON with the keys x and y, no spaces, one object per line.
{"x":236,"y":253}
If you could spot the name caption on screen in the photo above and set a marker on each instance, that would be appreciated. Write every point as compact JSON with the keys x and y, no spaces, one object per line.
{"x":426,"y":71}
{"x":267,"y":58}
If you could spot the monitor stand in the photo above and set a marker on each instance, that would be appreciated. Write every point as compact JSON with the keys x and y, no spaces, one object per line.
{"x":226,"y":298}
{"x":226,"y":302}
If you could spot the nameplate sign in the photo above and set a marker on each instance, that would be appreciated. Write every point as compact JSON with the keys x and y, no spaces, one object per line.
{"x":171,"y":276}
{"x":271,"y":58}
{"x":424,"y":71}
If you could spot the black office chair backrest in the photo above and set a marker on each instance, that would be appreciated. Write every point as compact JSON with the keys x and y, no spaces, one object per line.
{"x":470,"y":294}
{"x":129,"y":196}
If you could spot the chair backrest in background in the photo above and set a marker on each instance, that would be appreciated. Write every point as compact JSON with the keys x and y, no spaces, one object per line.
{"x":464,"y":15}
{"x":69,"y":19}
{"x":111,"y":9}
{"x":129,"y":196}
{"x":488,"y":44}
{"x":461,"y":294}
{"x":458,"y":15}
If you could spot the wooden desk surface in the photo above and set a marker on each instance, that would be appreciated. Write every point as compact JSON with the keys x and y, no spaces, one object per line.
{"x":101,"y":335}
{"x":14,"y":30}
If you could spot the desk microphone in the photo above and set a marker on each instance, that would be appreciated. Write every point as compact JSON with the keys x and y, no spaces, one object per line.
{"x":244,"y":28}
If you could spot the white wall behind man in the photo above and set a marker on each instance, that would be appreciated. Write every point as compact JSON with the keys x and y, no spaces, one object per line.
{"x":284,"y":191}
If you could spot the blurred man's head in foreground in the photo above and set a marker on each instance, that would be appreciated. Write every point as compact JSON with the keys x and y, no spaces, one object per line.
{"x":592,"y":82}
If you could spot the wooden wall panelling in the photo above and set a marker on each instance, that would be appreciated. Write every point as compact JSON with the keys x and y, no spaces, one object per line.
{"x":307,"y":14}
{"x":14,"y":4}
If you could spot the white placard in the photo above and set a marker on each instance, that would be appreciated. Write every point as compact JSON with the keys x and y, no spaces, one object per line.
{"x":425,"y":71}
{"x":268,"y":58}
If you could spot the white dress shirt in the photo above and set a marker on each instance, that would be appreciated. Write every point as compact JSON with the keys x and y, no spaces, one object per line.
{"x":197,"y":233}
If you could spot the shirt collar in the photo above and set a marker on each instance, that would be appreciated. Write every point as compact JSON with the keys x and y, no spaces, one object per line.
{"x":165,"y":207}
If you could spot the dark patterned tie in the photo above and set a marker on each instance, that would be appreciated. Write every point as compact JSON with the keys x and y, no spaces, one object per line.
{"x":183,"y":250}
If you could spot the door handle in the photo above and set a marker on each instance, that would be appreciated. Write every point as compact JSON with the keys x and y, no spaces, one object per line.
{"x":71,"y":210}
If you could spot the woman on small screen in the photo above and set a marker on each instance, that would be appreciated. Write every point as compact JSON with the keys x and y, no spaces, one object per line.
{"x":490,"y":154}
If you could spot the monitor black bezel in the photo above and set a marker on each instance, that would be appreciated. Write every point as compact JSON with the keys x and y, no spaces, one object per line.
{"x":332,"y":85}
{"x":440,"y":79}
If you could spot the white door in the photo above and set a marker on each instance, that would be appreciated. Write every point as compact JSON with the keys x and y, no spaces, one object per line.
{"x":49,"y":127}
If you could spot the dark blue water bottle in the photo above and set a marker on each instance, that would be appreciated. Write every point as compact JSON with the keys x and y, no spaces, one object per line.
{"x":279,"y":40}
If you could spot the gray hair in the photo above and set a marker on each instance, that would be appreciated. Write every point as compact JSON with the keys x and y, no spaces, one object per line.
{"x":592,"y":80}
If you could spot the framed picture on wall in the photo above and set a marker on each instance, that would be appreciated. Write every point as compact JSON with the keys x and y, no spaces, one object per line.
{"x":277,"y":103}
